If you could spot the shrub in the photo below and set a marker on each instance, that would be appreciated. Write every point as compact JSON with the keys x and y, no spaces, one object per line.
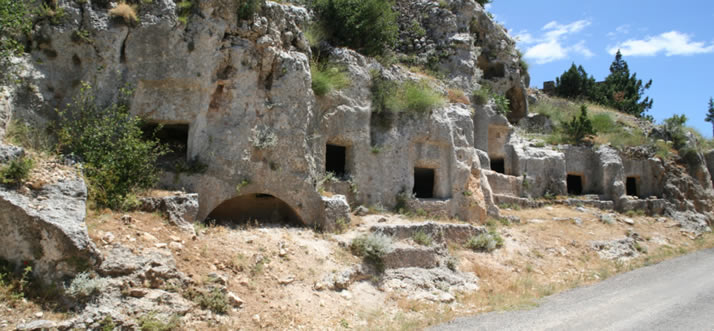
{"x":422,"y":238}
{"x":481,"y":96}
{"x":124,"y":11}
{"x":579,"y":126}
{"x":15,"y":22}
{"x":369,"y":26}
{"x":247,"y":8}
{"x":503,"y":105}
{"x":118,"y":161}
{"x":674,"y":127}
{"x":483,"y":2}
{"x":83,"y":286}
{"x":214,"y":301}
{"x":603,"y":122}
{"x":150,"y":322}
{"x":17,"y":171}
{"x":373,"y":247}
{"x":485,"y":242}
{"x":326,"y":78}
{"x":415,"y":96}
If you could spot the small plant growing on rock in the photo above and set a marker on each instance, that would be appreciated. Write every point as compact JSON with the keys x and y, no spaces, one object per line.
{"x":326,"y":78}
{"x":373,"y":247}
{"x":151,"y":322}
{"x":247,"y":8}
{"x":422,"y":238}
{"x":485,"y":242}
{"x":263,"y":138}
{"x":579,"y":127}
{"x":17,"y":171}
{"x":124,"y":11}
{"x":83,"y":286}
{"x":480,"y":97}
{"x":503,"y":105}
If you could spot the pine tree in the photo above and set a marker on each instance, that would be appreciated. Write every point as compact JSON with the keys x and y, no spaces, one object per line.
{"x":710,"y":114}
{"x":574,"y":83}
{"x":624,"y":91}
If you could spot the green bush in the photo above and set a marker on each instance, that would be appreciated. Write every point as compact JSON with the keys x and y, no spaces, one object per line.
{"x":326,"y":78}
{"x":247,"y":8}
{"x":150,"y":322}
{"x":414,"y":96}
{"x":481,"y":96}
{"x":368,"y":26}
{"x":485,"y":242}
{"x":373,"y":247}
{"x":579,"y":127}
{"x":603,"y":122}
{"x":15,"y":22}
{"x":118,"y":161}
{"x":674,"y":127}
{"x":17,"y":171}
{"x":503,"y":105}
{"x":422,"y":238}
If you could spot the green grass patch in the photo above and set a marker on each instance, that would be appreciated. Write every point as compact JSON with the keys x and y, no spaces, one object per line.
{"x":326,"y":78}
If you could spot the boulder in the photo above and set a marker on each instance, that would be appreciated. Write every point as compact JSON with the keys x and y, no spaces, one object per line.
{"x":337,"y":211}
{"x":9,"y":153}
{"x":46,"y":229}
{"x":181,"y":209}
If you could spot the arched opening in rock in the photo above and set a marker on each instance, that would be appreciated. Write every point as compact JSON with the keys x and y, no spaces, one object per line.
{"x":263,"y":209}
{"x":498,"y":165}
{"x":631,"y":186}
{"x":423,"y":183}
{"x":575,"y":184}
{"x":336,"y":160}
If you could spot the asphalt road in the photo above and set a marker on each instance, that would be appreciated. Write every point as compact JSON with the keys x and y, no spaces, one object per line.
{"x":674,"y":295}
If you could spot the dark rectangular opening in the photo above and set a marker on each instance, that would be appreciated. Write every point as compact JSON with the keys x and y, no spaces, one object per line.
{"x":575,"y":185}
{"x":631,"y":186}
{"x":335,"y":160}
{"x":423,"y":183}
{"x":174,"y":136}
{"x":498,"y":165}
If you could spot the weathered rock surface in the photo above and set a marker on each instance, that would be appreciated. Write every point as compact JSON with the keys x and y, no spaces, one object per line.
{"x":337,"y":212}
{"x":621,"y":249}
{"x":9,"y":153}
{"x":181,"y":209}
{"x":439,"y":232}
{"x":46,"y":229}
{"x":438,"y":284}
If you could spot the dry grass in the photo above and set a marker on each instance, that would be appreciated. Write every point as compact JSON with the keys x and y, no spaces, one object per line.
{"x":458,"y":96}
{"x":124,"y":11}
{"x":537,"y":260}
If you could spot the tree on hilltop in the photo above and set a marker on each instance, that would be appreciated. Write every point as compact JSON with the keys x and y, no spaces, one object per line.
{"x":710,"y":114}
{"x":624,"y":91}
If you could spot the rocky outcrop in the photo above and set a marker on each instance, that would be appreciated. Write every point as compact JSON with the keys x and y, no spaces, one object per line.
{"x":45,"y":229}
{"x":181,"y":209}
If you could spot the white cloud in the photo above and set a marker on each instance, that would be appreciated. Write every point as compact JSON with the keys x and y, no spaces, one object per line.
{"x":620,"y":30}
{"x":670,"y":43}
{"x":550,"y":46}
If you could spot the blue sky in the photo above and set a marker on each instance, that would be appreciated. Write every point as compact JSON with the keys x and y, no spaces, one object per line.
{"x":670,"y":42}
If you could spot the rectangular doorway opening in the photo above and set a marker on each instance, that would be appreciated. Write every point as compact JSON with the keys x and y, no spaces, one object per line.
{"x":335,"y":160}
{"x":575,"y":184}
{"x":631,"y":186}
{"x":174,"y":136}
{"x":423,"y":183}
{"x":498,"y":165}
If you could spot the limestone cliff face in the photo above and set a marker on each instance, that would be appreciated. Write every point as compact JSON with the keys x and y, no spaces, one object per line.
{"x":243,"y":88}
